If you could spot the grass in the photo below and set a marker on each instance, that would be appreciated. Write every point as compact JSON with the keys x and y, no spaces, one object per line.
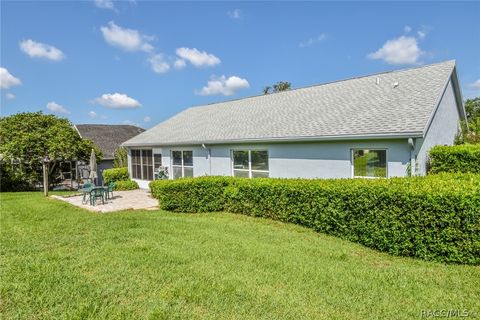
{"x":58,"y":261}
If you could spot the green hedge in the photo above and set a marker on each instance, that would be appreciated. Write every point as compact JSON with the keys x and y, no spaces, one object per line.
{"x":123,"y":185}
{"x":461,"y":158}
{"x":203,"y":194}
{"x":434,"y":218}
{"x":115,"y":174}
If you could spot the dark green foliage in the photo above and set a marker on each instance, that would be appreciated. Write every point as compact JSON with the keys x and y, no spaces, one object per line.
{"x":277,"y":87}
{"x":115,"y":174}
{"x":471,"y":127}
{"x":123,"y":185}
{"x":25,"y":140}
{"x":203,"y":194}
{"x":120,"y":160}
{"x":433,"y":218}
{"x":12,"y":179}
{"x":460,"y":158}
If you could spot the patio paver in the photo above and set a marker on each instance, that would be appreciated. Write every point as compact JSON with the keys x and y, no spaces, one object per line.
{"x":122,"y":200}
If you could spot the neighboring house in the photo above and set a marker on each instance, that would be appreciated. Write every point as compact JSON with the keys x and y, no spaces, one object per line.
{"x":108,"y":138}
{"x":379,"y":125}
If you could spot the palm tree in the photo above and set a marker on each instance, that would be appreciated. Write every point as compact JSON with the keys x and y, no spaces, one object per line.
{"x":267,"y":89}
{"x":277,"y":87}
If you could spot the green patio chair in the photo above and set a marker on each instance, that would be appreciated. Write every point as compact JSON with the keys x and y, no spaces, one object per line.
{"x":109,"y":190}
{"x":95,"y":194}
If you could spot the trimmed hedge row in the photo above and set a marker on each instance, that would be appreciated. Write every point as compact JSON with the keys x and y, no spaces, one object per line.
{"x":203,"y":194}
{"x":115,"y":174}
{"x":124,"y":185}
{"x":433,"y":218}
{"x":461,"y":158}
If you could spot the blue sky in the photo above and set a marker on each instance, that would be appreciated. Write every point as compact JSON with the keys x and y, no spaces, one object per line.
{"x":142,"y":62}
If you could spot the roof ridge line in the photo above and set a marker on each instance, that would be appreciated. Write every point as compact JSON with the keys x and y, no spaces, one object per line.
{"x":322,"y":84}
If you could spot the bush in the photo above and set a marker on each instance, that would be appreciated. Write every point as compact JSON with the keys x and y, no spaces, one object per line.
{"x":460,"y":158}
{"x":203,"y":194}
{"x":115,"y":174}
{"x":433,"y":218}
{"x":123,"y":185}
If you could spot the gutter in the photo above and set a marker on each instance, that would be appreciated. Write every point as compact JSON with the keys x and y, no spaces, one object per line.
{"x":417,"y":134}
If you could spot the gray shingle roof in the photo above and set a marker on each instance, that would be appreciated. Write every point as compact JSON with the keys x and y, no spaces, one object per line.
{"x":357,"y":107}
{"x":108,"y":137}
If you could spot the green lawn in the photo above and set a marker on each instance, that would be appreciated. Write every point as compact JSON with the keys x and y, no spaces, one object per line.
{"x":58,"y":261}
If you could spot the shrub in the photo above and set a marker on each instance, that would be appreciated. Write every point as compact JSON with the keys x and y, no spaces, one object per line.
{"x":203,"y":194}
{"x":115,"y":174}
{"x":120,"y":158}
{"x":434,"y":218}
{"x":460,"y":158}
{"x":123,"y":185}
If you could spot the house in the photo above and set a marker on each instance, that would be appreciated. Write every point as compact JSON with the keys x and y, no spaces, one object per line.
{"x":380,"y":125}
{"x":108,"y":138}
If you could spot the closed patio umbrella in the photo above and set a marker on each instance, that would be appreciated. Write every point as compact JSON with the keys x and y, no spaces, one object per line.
{"x":93,"y":167}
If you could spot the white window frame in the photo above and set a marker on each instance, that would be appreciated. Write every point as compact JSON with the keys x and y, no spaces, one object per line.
{"x":141,"y":163}
{"x":183,"y":166}
{"x":352,"y":150}
{"x":249,"y":170}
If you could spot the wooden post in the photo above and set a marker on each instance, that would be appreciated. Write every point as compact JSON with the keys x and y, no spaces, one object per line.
{"x":45,"y":178}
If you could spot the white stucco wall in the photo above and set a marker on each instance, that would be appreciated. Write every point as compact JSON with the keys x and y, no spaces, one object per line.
{"x":443,"y":128}
{"x":295,"y":160}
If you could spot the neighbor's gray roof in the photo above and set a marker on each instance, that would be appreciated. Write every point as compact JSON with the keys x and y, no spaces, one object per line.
{"x":350,"y":108}
{"x":108,"y":137}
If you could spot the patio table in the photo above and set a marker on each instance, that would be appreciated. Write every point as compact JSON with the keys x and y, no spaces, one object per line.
{"x":103,"y":191}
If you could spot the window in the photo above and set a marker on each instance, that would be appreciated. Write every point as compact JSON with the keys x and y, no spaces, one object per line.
{"x":369,"y":163}
{"x":250,"y":163}
{"x":147,"y":165}
{"x":157,"y":161}
{"x":136,"y":164}
{"x":182,"y":164}
{"x":142,"y":164}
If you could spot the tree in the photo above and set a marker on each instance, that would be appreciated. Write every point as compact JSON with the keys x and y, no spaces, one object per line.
{"x":26,"y":138}
{"x":277,"y":87}
{"x":120,"y":160}
{"x":472,"y":135}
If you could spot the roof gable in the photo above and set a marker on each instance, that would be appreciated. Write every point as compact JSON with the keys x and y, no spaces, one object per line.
{"x":397,"y":103}
{"x":108,"y":137}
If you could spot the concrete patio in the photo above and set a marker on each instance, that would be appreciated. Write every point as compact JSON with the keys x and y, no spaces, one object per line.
{"x":122,"y":200}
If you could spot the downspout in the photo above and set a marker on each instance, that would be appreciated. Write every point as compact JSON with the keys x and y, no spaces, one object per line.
{"x":411,"y":143}
{"x":209,"y":155}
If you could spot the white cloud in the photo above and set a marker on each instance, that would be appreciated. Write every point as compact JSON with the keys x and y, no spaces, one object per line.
{"x":56,"y":108}
{"x":475,"y":84}
{"x":41,"y":50}
{"x":197,"y":58}
{"x":312,"y":41}
{"x":10,"y":96}
{"x":180,"y":64}
{"x":147,"y":119}
{"x":92,"y":114}
{"x":407,"y":29}
{"x":224,"y":86}
{"x":235,"y":14}
{"x":127,"y":39}
{"x":402,"y":50}
{"x":130,"y":123}
{"x":158,"y":63}
{"x":105,"y":4}
{"x":116,"y":101}
{"x":422,"y":34}
{"x":7,"y":80}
